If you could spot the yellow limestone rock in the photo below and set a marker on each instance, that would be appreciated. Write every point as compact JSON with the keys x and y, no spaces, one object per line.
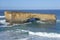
{"x":20,"y":17}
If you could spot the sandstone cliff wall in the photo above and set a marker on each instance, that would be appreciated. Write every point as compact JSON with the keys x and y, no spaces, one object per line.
{"x":23,"y":16}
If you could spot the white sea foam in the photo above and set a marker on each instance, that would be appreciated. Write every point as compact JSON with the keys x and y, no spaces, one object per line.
{"x":3,"y":21}
{"x":45,"y":34}
{"x":16,"y":35}
{"x":58,"y":20}
{"x":2,"y":16}
{"x":40,"y":22}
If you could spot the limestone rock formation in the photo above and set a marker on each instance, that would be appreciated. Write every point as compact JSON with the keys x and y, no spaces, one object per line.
{"x":21,"y":17}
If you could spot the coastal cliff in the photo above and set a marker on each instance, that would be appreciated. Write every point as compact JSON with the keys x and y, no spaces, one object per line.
{"x":21,"y":17}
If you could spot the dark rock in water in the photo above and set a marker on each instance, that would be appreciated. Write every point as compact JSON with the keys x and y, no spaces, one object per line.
{"x":32,"y":20}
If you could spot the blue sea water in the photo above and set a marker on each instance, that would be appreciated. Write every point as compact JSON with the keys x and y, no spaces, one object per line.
{"x":31,"y":31}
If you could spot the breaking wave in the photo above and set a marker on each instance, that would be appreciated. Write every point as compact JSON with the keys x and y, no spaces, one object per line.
{"x":58,"y":20}
{"x":3,"y":21}
{"x":38,"y":34}
{"x":45,"y":34}
{"x":2,"y":16}
{"x":26,"y":35}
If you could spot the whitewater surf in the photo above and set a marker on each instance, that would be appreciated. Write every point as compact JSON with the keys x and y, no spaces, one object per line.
{"x":31,"y":34}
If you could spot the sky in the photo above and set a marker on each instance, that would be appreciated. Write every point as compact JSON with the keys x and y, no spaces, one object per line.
{"x":29,"y":4}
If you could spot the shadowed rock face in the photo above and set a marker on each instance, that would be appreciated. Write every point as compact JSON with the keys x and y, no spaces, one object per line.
{"x":32,"y":19}
{"x":21,"y":17}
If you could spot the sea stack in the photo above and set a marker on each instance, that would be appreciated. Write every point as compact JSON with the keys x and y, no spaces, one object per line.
{"x":22,"y":17}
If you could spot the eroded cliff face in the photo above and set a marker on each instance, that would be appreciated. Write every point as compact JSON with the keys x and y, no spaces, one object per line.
{"x":20,"y":17}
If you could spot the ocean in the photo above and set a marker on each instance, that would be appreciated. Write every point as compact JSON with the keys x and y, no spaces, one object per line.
{"x":31,"y":31}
